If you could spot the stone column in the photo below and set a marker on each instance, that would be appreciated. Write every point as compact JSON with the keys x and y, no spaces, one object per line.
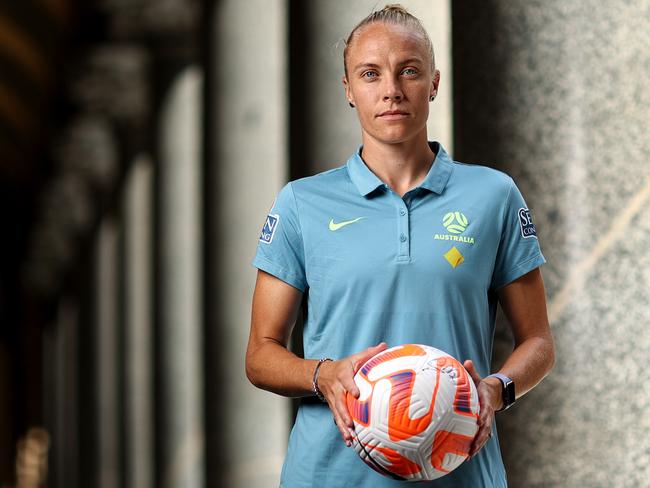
{"x":246,"y":166}
{"x":556,"y":94}
{"x":86,"y":334}
{"x":138,"y":328}
{"x":60,"y":344}
{"x":179,"y":330}
{"x":170,"y":29}
{"x":109,"y":89}
{"x":107,"y":395}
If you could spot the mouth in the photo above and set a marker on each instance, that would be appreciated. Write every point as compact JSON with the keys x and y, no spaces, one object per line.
{"x":393,"y":114}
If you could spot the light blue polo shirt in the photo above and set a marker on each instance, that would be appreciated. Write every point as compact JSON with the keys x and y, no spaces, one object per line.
{"x":423,"y":268}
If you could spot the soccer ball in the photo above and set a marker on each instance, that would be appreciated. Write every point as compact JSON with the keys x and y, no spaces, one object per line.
{"x":417,"y":413}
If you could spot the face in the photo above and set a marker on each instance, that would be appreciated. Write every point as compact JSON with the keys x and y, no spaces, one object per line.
{"x":390,"y":82}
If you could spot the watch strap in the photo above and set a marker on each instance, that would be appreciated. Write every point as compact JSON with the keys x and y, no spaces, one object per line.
{"x":507,"y":390}
{"x":504,"y":379}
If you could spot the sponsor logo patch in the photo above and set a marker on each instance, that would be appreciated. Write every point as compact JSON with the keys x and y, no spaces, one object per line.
{"x":454,"y":257}
{"x":269,"y":228}
{"x":526,"y":224}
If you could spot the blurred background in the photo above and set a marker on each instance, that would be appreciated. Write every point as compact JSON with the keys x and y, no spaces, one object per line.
{"x":142,"y":143}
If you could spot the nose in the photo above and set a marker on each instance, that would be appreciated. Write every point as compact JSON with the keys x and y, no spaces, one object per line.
{"x":392,"y":90}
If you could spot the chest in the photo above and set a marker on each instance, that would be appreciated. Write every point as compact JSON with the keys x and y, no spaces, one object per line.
{"x":429,"y":240}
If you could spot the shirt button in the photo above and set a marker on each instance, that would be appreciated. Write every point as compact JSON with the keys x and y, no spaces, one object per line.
{"x":402,"y":237}
{"x":402,"y":212}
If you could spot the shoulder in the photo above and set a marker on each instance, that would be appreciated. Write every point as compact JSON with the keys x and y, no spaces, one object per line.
{"x":324,"y":181}
{"x":329,"y":176}
{"x":481,"y":175}
{"x":486,"y":187}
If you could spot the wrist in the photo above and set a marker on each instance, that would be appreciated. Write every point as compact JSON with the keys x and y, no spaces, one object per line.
{"x":507,"y":390}
{"x":495,"y":389}
{"x":314,"y":381}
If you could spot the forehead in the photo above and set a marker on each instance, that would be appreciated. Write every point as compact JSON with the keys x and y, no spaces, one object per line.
{"x":382,"y":40}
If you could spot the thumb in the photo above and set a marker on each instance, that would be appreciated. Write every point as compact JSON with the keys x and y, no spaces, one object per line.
{"x":469,"y":366}
{"x":361,"y":357}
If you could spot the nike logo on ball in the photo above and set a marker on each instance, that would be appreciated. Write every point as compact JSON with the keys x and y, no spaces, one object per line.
{"x":337,"y":226}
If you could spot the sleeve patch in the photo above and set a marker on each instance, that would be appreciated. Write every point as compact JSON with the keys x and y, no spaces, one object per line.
{"x":269,"y":228}
{"x":526,"y":224}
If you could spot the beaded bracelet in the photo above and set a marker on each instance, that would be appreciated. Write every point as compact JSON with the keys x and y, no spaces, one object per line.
{"x":314,"y":381}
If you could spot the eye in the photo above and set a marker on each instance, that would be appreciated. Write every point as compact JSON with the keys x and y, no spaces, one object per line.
{"x":370,"y":74}
{"x":410,"y":71}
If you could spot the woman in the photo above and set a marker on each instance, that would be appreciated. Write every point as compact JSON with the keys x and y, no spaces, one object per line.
{"x":399,"y":245}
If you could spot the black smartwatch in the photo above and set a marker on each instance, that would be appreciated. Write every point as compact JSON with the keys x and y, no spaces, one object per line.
{"x":507,"y":390}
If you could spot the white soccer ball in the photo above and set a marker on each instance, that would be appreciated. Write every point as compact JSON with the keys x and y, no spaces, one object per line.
{"x":417,"y":413}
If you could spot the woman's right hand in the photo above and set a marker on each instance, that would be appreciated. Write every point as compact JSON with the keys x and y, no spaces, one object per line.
{"x":335,"y":378}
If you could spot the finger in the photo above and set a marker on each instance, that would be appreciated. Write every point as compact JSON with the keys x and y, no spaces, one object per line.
{"x":343,"y":429}
{"x":478,"y":445}
{"x":344,"y":434}
{"x":344,"y":375}
{"x":482,"y":436}
{"x":342,"y":410}
{"x":361,"y":357}
{"x":350,"y":386}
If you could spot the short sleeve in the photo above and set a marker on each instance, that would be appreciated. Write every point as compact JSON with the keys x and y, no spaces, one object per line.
{"x":280,"y":250}
{"x":519,"y":251}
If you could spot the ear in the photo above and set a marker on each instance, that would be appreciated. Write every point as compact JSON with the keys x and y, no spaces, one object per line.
{"x":348,"y":91}
{"x":435,"y":81}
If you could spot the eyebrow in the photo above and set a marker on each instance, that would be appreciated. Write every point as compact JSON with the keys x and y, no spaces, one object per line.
{"x":373,"y":65}
{"x":411,"y":60}
{"x":365,"y":65}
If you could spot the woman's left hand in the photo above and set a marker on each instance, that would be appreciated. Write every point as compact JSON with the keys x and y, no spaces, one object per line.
{"x":489,"y":396}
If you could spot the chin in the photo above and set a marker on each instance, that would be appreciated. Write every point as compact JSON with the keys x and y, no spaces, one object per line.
{"x":395,"y":133}
{"x":396,"y":137}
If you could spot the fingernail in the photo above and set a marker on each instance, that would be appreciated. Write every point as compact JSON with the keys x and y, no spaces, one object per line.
{"x":348,"y":443}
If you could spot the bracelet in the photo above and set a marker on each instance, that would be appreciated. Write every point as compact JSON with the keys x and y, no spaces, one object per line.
{"x":314,"y":381}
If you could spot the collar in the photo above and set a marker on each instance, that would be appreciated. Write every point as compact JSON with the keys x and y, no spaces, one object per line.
{"x":366,"y":181}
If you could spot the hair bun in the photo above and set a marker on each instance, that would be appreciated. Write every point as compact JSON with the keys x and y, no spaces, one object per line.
{"x":394,"y":7}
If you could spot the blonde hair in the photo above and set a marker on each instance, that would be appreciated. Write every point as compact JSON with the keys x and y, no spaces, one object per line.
{"x":396,"y":14}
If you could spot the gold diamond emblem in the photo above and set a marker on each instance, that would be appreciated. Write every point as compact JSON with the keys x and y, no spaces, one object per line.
{"x":454,"y":257}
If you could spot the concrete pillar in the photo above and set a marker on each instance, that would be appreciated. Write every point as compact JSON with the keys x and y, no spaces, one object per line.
{"x":556,"y":94}
{"x":247,"y":165}
{"x":180,"y":350}
{"x":138,"y":334}
{"x":107,"y":399}
{"x":60,"y":342}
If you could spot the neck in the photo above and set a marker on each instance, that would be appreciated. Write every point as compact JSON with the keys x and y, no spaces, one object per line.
{"x":402,"y":166}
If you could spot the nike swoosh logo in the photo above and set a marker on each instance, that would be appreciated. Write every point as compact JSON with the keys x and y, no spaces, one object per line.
{"x":337,"y":226}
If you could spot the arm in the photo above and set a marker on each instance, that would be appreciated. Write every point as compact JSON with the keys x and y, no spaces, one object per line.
{"x":271,"y":366}
{"x":524,"y":304}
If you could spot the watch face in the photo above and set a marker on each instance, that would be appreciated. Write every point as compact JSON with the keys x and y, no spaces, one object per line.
{"x":509,"y":394}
